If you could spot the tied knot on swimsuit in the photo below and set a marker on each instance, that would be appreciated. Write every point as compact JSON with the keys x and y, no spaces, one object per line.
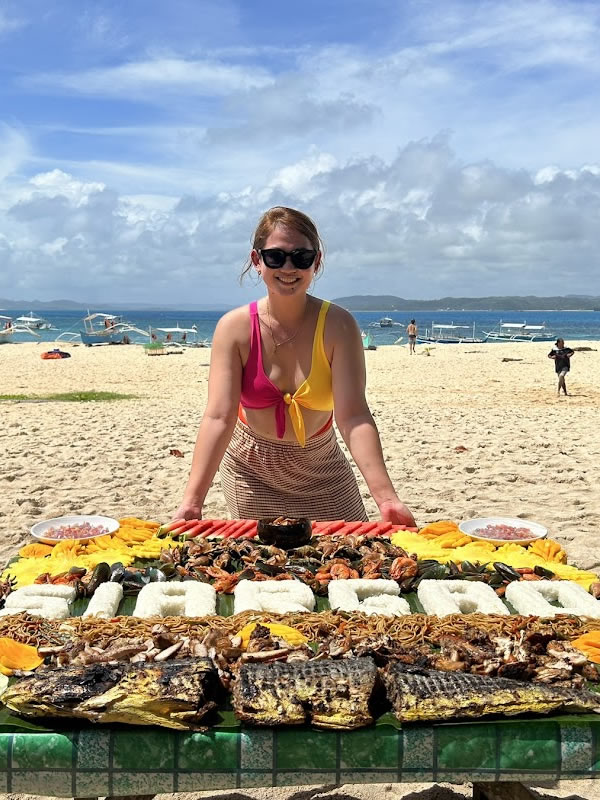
{"x":287,"y":399}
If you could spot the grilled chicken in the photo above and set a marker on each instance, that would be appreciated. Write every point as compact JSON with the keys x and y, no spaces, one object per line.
{"x":330,"y":694}
{"x":423,"y":694}
{"x":174,"y":694}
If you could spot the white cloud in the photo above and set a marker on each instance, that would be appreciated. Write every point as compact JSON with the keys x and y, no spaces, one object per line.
{"x":8,"y":23}
{"x":145,"y":78}
{"x":422,"y":224}
{"x":14,"y":150}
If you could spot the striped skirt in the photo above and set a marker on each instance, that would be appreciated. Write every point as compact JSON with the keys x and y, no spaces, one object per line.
{"x":263,"y":477}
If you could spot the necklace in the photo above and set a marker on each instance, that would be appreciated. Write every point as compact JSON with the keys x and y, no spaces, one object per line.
{"x":291,"y":338}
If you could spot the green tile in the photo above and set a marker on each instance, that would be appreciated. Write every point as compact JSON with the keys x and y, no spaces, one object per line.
{"x":4,"y":749}
{"x":93,"y":747}
{"x":257,"y":749}
{"x":208,"y":751}
{"x":143,"y":750}
{"x":132,"y":783}
{"x":417,"y":748}
{"x":371,"y":748}
{"x":575,"y":747}
{"x":530,"y":746}
{"x":42,"y":750}
{"x":92,"y":784}
{"x":254,"y":780}
{"x":305,"y":778}
{"x":55,"y":784}
{"x":367,"y":777}
{"x":466,"y":747}
{"x":203,"y":781}
{"x":306,"y":749}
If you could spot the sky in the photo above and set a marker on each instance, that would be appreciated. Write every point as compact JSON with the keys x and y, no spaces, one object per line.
{"x":443,"y":147}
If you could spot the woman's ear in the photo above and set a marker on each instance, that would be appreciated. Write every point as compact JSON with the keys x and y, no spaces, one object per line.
{"x":317,"y":262}
{"x":255,"y":258}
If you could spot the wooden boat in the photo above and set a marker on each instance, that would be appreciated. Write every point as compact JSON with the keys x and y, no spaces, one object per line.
{"x":448,"y":334}
{"x":519,"y":332}
{"x":31,"y":322}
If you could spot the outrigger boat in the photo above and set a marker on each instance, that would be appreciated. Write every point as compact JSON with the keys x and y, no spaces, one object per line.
{"x":99,"y":328}
{"x":448,"y":334}
{"x":519,"y":332}
{"x":8,"y":329}
{"x":185,"y":337}
{"x":32,"y":322}
{"x":384,"y":322}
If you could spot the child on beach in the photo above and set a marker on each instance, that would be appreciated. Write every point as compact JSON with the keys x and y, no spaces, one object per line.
{"x":562,"y":362}
{"x":280,"y":368}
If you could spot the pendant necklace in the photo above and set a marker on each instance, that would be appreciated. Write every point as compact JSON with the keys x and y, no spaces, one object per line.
{"x":291,"y":338}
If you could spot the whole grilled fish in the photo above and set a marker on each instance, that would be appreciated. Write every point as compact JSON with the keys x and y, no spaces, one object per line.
{"x":330,"y":694}
{"x":175,"y":694}
{"x":424,"y":694}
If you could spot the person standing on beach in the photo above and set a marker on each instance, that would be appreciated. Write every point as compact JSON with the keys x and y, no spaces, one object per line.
{"x":411,"y":331}
{"x":562,"y":362}
{"x":281,"y":368}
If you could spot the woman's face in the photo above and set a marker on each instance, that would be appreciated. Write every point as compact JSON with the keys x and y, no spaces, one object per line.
{"x":287,"y":280}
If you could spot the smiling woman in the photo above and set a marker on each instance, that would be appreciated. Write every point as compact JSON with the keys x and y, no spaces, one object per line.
{"x":280,"y":369}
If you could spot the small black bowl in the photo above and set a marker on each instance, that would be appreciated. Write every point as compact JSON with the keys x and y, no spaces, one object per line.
{"x":284,"y":532}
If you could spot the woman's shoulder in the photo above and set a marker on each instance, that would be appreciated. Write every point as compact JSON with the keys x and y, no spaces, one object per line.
{"x":235,"y":323}
{"x":340,"y":316}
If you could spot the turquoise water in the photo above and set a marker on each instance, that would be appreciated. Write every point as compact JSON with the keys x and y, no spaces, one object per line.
{"x":570,"y":325}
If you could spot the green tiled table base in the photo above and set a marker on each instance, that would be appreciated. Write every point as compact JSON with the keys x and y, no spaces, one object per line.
{"x":94,"y":762}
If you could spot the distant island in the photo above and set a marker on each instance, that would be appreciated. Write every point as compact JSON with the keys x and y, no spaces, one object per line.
{"x":73,"y":305}
{"x":387,"y":302}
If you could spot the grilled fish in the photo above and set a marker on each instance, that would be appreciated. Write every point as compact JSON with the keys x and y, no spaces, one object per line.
{"x":175,"y":694}
{"x":423,"y":694}
{"x":330,"y":694}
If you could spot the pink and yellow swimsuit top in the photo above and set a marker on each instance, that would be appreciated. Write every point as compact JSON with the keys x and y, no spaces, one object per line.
{"x":315,"y":393}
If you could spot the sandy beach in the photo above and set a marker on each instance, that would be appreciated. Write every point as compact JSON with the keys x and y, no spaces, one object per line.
{"x":467,"y":431}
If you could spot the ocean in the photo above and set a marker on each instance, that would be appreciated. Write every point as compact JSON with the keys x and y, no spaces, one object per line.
{"x":569,"y":325}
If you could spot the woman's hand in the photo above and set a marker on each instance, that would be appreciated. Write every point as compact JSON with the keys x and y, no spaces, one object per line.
{"x":189,"y":510}
{"x":396,"y":512}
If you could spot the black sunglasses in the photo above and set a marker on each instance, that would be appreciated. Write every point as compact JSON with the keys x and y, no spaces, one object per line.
{"x":275,"y":257}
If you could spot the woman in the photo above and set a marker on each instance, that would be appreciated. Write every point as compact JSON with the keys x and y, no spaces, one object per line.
{"x":279,"y":369}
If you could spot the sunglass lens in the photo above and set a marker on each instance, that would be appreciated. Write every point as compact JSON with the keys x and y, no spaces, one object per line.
{"x":303,"y":259}
{"x":274,"y":258}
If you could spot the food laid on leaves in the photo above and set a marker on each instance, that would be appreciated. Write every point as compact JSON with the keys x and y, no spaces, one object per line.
{"x":284,"y":532}
{"x":189,"y":599}
{"x":334,"y":695}
{"x":175,"y":694}
{"x":15,"y":656}
{"x":278,"y":596}
{"x":534,"y":599}
{"x":105,"y":601}
{"x":378,"y":596}
{"x":419,"y":695}
{"x":459,"y":597}
{"x":298,"y":666}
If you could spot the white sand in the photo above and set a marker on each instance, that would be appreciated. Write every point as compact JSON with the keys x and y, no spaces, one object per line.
{"x":528,"y":453}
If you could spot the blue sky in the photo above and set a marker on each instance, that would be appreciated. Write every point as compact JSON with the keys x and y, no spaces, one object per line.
{"x":443,"y":148}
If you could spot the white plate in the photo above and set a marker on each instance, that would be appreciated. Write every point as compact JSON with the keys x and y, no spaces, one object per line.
{"x":40,"y":528}
{"x":537,"y":531}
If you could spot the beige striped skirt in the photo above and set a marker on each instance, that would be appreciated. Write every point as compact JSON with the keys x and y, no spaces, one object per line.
{"x":263,"y":477}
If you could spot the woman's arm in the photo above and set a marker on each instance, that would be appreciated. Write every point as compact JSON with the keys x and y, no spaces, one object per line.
{"x":354,"y":419}
{"x":218,"y":421}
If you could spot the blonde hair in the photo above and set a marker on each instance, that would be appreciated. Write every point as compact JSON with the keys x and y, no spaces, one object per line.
{"x":281,"y":216}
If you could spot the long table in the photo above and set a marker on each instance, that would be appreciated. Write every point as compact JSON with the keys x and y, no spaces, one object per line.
{"x":103,"y":761}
